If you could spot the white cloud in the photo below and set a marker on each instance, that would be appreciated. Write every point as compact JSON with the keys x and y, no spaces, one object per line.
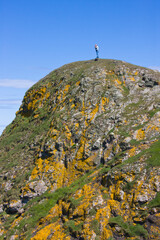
{"x":10,"y":101}
{"x":16,"y":83}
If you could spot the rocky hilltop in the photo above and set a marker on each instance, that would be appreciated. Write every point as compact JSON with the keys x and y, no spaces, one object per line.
{"x":81,"y":159}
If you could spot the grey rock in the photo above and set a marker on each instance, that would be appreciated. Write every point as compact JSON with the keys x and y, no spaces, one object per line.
{"x":121,"y":195}
{"x":150,"y":80}
{"x":124,"y":146}
{"x":13,"y":237}
{"x":8,"y":186}
{"x":36,"y":188}
{"x":149,"y":84}
{"x":142,"y":198}
{"x":127,"y":139}
{"x":1,"y":208}
{"x":118,"y":229}
{"x":14,"y":207}
{"x":157,"y":185}
{"x":97,"y":144}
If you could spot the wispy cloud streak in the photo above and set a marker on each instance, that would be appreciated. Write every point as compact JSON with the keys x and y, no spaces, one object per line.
{"x":16,"y":83}
{"x":8,"y":107}
{"x":10,"y":101}
{"x":155,"y":68}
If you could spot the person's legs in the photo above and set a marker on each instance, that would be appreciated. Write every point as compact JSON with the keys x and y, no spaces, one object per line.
{"x":97,"y":53}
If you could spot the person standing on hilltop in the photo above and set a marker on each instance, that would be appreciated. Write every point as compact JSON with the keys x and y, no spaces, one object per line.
{"x":97,"y":50}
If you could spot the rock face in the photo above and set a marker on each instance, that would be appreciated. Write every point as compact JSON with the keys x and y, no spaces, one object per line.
{"x":81,"y":159}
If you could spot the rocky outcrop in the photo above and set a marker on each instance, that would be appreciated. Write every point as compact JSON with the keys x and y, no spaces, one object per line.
{"x":81,"y":158}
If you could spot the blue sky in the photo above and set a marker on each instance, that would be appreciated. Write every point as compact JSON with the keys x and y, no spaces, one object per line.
{"x":37,"y":36}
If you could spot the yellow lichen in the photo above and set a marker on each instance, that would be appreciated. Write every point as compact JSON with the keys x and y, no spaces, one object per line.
{"x":132,"y":152}
{"x":34,"y":100}
{"x":132,"y":79}
{"x":55,"y":229}
{"x":118,"y":81}
{"x":140,"y":134}
{"x":103,"y":102}
{"x":93,"y":113}
{"x":16,"y":221}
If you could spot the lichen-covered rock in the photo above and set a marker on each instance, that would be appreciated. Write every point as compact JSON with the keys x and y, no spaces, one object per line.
{"x":81,"y":159}
{"x":33,"y":189}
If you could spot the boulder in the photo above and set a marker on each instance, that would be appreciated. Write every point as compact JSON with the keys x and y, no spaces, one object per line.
{"x":35,"y":188}
{"x":14,"y":207}
{"x":149,"y":80}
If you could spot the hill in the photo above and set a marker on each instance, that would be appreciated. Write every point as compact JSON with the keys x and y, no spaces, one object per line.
{"x":81,"y":159}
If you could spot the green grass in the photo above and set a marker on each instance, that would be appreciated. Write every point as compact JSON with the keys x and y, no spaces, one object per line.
{"x":104,"y":170}
{"x":92,"y":212}
{"x":153,"y":112}
{"x":126,"y":90}
{"x":139,"y":126}
{"x":155,"y":202}
{"x":34,"y":210}
{"x":71,"y":227}
{"x":95,"y":226}
{"x":130,"y":108}
{"x":129,"y":229}
{"x":129,"y":186}
{"x":123,"y":132}
{"x":134,"y":142}
{"x":153,"y":154}
{"x":19,"y":136}
{"x":75,"y":202}
{"x":8,"y":221}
